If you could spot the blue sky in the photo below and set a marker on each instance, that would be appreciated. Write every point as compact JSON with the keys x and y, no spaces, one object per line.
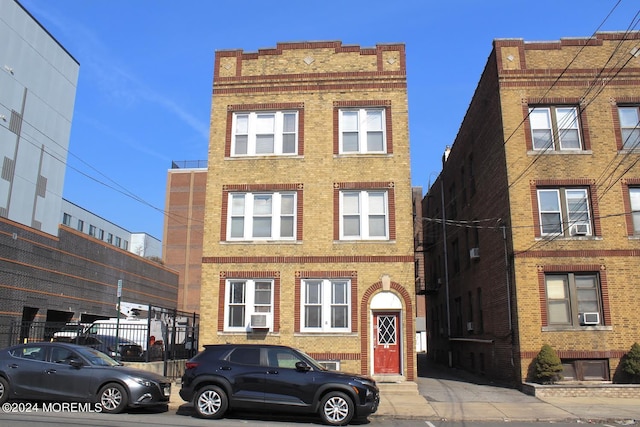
{"x":146,"y":70}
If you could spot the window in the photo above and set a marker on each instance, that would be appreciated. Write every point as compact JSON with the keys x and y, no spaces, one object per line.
{"x":283,"y":358}
{"x":564,"y":211}
{"x":244,"y":298}
{"x":262,"y":216}
{"x":92,"y":230}
{"x":265,"y":133}
{"x":245,"y":356}
{"x":629,"y":127}
{"x":66,"y":219}
{"x":80,"y":225}
{"x":364,"y":215}
{"x":573,"y":299}
{"x":362,"y":131}
{"x":634,"y":196}
{"x":118,"y":241}
{"x":326,"y":305}
{"x":555,"y":128}
{"x":110,"y":238}
{"x":100,"y":234}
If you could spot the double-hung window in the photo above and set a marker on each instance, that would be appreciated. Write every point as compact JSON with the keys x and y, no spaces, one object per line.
{"x":573,"y":299}
{"x":364,"y":215}
{"x":362,"y":131}
{"x":629,"y":126}
{"x":555,"y":128}
{"x":634,"y":197}
{"x":265,"y":133}
{"x":262,"y":216}
{"x":326,"y":305}
{"x":246,"y":297}
{"x":564,"y":211}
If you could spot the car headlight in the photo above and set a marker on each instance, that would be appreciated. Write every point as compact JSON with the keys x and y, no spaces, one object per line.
{"x":143,"y":382}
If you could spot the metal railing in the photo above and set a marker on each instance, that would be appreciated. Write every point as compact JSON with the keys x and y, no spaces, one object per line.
{"x":157,"y":340}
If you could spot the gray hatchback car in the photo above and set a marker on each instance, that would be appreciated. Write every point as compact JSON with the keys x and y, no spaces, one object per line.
{"x":62,"y":372}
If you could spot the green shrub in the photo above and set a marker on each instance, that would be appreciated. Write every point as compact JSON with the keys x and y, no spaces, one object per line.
{"x":547,"y":365}
{"x":631,"y":363}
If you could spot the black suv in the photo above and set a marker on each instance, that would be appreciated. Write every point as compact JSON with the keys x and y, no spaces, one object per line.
{"x":275,"y":378}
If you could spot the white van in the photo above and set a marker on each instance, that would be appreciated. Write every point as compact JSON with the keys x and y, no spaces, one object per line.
{"x":140,"y":331}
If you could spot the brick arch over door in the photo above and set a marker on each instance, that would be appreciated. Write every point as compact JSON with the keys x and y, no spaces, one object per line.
{"x":408,"y":319}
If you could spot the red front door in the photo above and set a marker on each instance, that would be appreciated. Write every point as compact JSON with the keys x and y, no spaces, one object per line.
{"x":386,"y":351}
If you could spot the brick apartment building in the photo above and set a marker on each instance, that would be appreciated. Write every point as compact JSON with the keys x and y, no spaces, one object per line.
{"x":308,"y":233}
{"x":183,"y":228}
{"x":538,"y":207}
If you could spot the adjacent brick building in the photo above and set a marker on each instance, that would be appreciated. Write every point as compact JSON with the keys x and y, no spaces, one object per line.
{"x":540,"y":201}
{"x":183,"y":228}
{"x":308,"y":233}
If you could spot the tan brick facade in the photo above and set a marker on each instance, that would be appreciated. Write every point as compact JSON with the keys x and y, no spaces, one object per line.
{"x":315,"y":81}
{"x":496,"y":154}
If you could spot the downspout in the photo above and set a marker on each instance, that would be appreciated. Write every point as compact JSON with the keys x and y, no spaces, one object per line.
{"x":508,"y":283}
{"x":446,"y":271}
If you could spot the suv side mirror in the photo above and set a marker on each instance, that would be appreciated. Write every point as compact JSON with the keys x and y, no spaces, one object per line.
{"x":302,"y":367}
{"x":76,"y":363}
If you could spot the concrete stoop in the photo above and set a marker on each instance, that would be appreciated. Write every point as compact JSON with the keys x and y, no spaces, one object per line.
{"x":402,"y":399}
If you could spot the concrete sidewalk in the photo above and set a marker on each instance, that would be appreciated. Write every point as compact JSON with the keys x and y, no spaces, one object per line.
{"x":442,"y":393}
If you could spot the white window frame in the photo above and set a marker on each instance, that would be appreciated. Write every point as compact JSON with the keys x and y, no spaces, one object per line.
{"x":249,"y":125}
{"x":249,"y":302}
{"x":634,"y":203}
{"x":326,"y":301}
{"x":247,"y":212}
{"x":362,"y":127}
{"x":567,"y":215}
{"x":629,"y":126}
{"x":557,"y":123}
{"x":364,"y":212}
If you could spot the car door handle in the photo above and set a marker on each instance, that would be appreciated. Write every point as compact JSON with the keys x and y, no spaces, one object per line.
{"x":50,"y":371}
{"x":13,"y":365}
{"x":273,"y":372}
{"x":225,"y":368}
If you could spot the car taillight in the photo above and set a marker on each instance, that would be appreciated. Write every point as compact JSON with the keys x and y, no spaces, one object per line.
{"x":191,"y":365}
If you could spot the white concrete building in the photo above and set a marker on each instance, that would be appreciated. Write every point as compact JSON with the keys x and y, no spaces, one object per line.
{"x":80,"y":219}
{"x":38,"y":80}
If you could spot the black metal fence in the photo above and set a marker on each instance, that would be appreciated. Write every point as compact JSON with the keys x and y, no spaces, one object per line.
{"x":145,"y":339}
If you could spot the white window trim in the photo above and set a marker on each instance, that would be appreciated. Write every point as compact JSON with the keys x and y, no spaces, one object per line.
{"x":634,"y":204}
{"x":252,"y":132}
{"x":362,"y":130}
{"x":326,"y":304}
{"x":636,"y":109}
{"x":276,"y":215}
{"x":565,"y":222}
{"x":364,"y":213}
{"x":249,"y":304}
{"x":557,"y":128}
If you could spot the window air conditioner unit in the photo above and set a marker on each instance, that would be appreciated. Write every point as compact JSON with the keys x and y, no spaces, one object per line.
{"x":474,"y":253}
{"x":469,"y":326}
{"x":579,"y":229}
{"x":260,"y":321}
{"x":590,"y":318}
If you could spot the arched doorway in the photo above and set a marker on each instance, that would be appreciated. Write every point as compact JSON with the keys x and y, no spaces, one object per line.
{"x":386,"y":334}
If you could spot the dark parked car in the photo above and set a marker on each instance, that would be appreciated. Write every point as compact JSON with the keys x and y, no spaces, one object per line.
{"x":274,"y":378}
{"x":62,"y":372}
{"x":128,"y":350}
